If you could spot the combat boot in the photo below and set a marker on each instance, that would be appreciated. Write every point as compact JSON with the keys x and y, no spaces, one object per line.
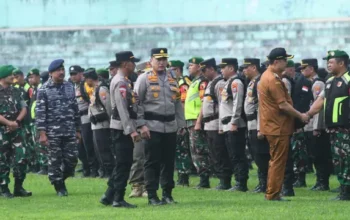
{"x":225,"y":184}
{"x":204,"y":183}
{"x":5,"y":192}
{"x":346,"y":193}
{"x":43,"y":170}
{"x":107,"y":197}
{"x":167,"y":197}
{"x":183,"y":180}
{"x":94,"y":172}
{"x":154,"y":200}
{"x":19,"y":191}
{"x":287,"y":191}
{"x":136,"y":191}
{"x":301,"y":182}
{"x":119,"y":201}
{"x":316,"y":185}
{"x":60,"y":189}
{"x":341,"y":191}
{"x":240,"y":186}
{"x":261,"y":187}
{"x":323,"y":185}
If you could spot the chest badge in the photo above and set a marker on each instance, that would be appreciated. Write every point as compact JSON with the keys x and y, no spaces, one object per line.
{"x":155,"y":94}
{"x":339,"y":84}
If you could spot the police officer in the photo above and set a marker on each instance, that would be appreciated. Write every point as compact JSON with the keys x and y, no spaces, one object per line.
{"x":99,"y":113}
{"x":319,"y":141}
{"x":124,"y":126}
{"x":160,"y":106}
{"x":40,"y":151}
{"x":233,"y":122}
{"x":198,"y":143}
{"x":215,"y":137}
{"x":183,"y":161}
{"x":259,"y":144}
{"x":12,"y":112}
{"x":87,"y":156}
{"x":58,"y":122}
{"x":335,"y":98}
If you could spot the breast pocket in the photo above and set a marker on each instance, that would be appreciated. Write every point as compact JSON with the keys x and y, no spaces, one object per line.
{"x":153,"y":92}
{"x":175,"y":93}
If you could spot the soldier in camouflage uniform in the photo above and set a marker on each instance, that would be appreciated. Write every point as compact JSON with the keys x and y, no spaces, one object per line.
{"x":183,"y":161}
{"x":12,"y":112}
{"x":58,"y":121}
{"x":335,"y":101}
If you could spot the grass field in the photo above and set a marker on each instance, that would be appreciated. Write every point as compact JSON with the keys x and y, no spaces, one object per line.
{"x":84,"y":194}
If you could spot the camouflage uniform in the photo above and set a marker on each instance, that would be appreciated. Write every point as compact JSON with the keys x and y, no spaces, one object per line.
{"x":57,"y":114}
{"x":300,"y":154}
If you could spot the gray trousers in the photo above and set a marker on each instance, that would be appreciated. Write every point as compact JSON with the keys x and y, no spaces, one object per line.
{"x":137,"y":169}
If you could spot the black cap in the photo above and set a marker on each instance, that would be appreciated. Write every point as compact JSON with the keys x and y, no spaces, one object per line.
{"x":228,"y":61}
{"x":75,"y":69}
{"x":279,"y":53}
{"x":159,"y":53}
{"x":126,"y":56}
{"x":90,"y":74}
{"x":309,"y":62}
{"x":113,"y":64}
{"x":208,"y":63}
{"x":251,"y":61}
{"x":322,"y":73}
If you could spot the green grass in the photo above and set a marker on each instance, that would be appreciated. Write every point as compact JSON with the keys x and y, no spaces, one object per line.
{"x":84,"y":195}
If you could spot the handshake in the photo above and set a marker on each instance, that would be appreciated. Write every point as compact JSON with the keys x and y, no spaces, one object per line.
{"x":305,"y":117}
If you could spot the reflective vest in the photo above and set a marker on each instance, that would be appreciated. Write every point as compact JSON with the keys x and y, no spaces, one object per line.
{"x":25,"y":87}
{"x":193,"y":102}
{"x":184,"y":84}
{"x":337,"y":101}
{"x":33,"y":101}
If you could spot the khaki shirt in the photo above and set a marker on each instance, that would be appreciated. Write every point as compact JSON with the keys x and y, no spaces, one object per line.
{"x":82,"y":104}
{"x":96,"y":108}
{"x":251,"y":104}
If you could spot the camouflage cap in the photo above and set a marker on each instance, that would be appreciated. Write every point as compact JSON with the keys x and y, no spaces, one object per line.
{"x":336,"y":54}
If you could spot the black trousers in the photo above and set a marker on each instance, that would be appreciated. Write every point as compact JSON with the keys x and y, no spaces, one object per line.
{"x":219,"y":155}
{"x":123,"y":148}
{"x":289,"y":172}
{"x":82,"y":155}
{"x":321,"y":151}
{"x":87,"y":136}
{"x":261,"y":151}
{"x":235,"y":143}
{"x":159,"y":161}
{"x":103,"y":149}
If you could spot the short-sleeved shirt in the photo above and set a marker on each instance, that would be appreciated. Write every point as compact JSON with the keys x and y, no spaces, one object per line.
{"x":273,"y":92}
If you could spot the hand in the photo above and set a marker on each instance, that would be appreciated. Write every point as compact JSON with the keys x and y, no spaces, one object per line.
{"x":197,"y":127}
{"x":233,"y":128}
{"x":221,"y":132}
{"x":43,"y":139}
{"x":305,"y":118}
{"x":316,"y":133}
{"x":260,"y":136}
{"x":78,"y":135}
{"x":135,"y":137}
{"x":181,"y":131}
{"x":12,"y":126}
{"x":145,"y":133}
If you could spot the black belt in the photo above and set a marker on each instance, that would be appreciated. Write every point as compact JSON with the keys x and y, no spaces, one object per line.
{"x":210,"y":118}
{"x":226,"y":120}
{"x":252,"y":117}
{"x":84,"y":112}
{"x":156,"y":117}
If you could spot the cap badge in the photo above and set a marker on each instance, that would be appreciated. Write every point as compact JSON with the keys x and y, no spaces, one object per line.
{"x":332,"y":53}
{"x":193,"y":60}
{"x":161,"y":51}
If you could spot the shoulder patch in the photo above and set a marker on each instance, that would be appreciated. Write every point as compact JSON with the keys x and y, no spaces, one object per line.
{"x":122,"y":90}
{"x":203,"y":85}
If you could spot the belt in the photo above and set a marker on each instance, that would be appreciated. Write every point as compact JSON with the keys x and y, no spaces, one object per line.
{"x":156,"y":117}
{"x":252,"y":117}
{"x":83,"y":112}
{"x":226,"y":120}
{"x":210,"y":118}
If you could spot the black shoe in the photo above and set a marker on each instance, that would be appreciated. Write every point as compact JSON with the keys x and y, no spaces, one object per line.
{"x":86,"y":173}
{"x":5,"y":192}
{"x":301,"y":182}
{"x":94,"y":173}
{"x":279,"y":199}
{"x":204,"y":183}
{"x":107,"y":197}
{"x":19,"y":191}
{"x":123,"y":204}
{"x":241,"y":187}
{"x":155,"y":201}
{"x":315,"y":186}
{"x":287,"y":192}
{"x":183,"y":180}
{"x":225,"y":184}
{"x":321,"y":187}
{"x":168,"y":200}
{"x":43,"y":171}
{"x":60,"y":189}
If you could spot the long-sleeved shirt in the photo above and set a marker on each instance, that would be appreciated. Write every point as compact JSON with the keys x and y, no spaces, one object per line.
{"x":103,"y":106}
{"x":251,"y":104}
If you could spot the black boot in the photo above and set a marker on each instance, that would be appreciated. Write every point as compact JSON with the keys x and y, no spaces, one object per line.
{"x":183,"y":180}
{"x":323,"y":185}
{"x":204,"y":183}
{"x":5,"y":192}
{"x":240,"y":186}
{"x":60,"y":188}
{"x":153,"y":199}
{"x":94,"y":173}
{"x":107,"y":197}
{"x":86,"y":173}
{"x":225,"y":184}
{"x":316,"y":185}
{"x":287,"y":191}
{"x":119,"y":201}
{"x":341,"y":191}
{"x":346,"y":193}
{"x":261,"y":187}
{"x":43,"y":170}
{"x":167,"y":197}
{"x":19,"y":191}
{"x":301,"y":182}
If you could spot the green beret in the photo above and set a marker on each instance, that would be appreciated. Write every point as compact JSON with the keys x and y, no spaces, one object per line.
{"x":196,"y":60}
{"x":17,"y":72}
{"x":6,"y":71}
{"x":176,"y":63}
{"x":290,"y":63}
{"x":336,"y":54}
{"x":102,"y":71}
{"x":34,"y":71}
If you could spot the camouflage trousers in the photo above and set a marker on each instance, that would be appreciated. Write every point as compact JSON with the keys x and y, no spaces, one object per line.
{"x":183,"y":161}
{"x":29,"y":143}
{"x":200,"y":151}
{"x":12,"y":150}
{"x":63,"y":157}
{"x":299,"y":152}
{"x":40,"y":150}
{"x":340,"y":145}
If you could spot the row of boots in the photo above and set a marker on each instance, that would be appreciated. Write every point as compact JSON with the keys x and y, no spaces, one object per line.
{"x":18,"y":191}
